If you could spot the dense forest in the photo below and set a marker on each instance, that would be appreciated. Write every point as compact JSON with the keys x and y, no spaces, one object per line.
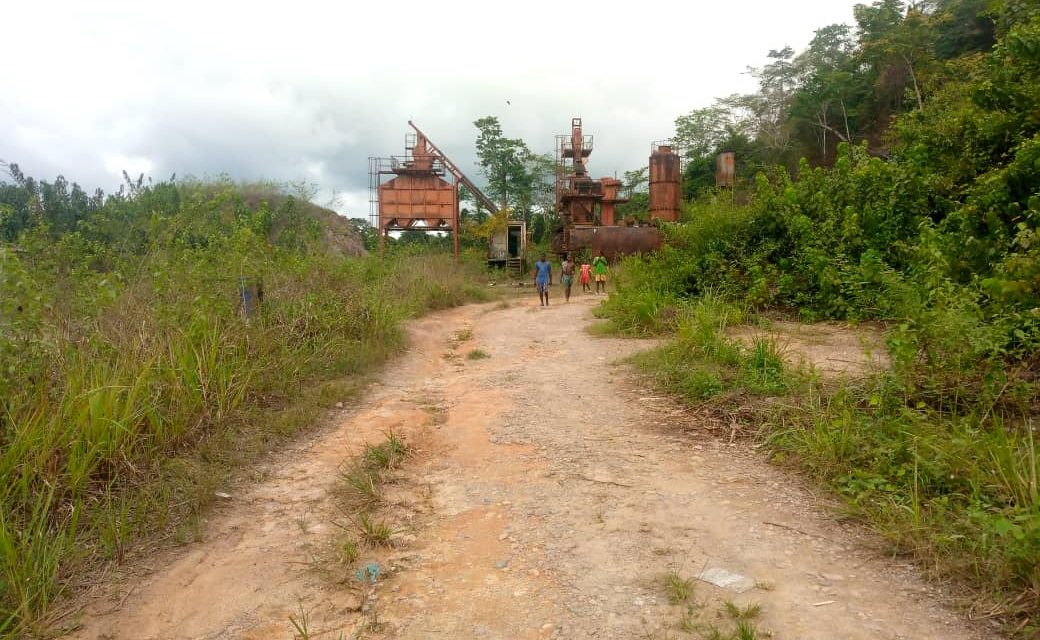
{"x":889,"y":172}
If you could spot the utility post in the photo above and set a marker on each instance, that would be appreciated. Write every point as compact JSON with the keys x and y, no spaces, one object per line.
{"x":458,"y":220}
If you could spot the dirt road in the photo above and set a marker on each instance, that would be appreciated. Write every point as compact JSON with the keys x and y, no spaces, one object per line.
{"x":548,"y":496}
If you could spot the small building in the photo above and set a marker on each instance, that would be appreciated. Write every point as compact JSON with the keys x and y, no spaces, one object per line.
{"x":507,"y":247}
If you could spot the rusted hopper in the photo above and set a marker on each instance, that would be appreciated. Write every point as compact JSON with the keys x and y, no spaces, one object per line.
{"x":418,"y":197}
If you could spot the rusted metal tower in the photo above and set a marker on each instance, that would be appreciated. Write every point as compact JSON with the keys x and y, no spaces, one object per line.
{"x":417,"y":197}
{"x":579,"y":198}
{"x":576,"y":193}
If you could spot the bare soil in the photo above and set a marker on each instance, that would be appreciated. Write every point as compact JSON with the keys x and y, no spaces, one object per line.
{"x":548,"y":495}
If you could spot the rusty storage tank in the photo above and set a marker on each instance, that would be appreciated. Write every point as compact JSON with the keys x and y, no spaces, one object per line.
{"x":665,"y":177}
{"x":725,"y":169}
{"x":612,"y":242}
{"x":610,"y":200}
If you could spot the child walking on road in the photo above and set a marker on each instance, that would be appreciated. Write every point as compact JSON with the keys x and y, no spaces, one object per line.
{"x":567,"y":271}
{"x":599,"y":269}
{"x":586,"y":272}
{"x":542,"y":280}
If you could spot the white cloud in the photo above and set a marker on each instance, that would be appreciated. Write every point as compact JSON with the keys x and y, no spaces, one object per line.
{"x":307,"y":91}
{"x":117,"y":163}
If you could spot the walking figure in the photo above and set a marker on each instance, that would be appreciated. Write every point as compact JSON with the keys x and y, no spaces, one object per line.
{"x":599,"y":269}
{"x":586,"y":273}
{"x":542,"y":280}
{"x":567,"y":275}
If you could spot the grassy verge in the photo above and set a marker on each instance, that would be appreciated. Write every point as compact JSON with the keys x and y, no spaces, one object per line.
{"x":131,"y":395}
{"x":959,"y":493}
{"x":702,"y":364}
{"x":949,"y":475}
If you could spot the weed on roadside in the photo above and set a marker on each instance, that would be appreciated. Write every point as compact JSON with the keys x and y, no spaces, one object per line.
{"x":386,"y":455}
{"x":728,"y":622}
{"x":348,"y":551}
{"x":748,"y":612}
{"x":679,"y":589}
{"x":300,"y":627}
{"x":362,"y":477}
{"x":477,"y":354}
{"x":703,"y":364}
{"x":374,"y":532}
{"x":601,"y":328}
{"x":361,"y":485}
{"x":689,"y":620}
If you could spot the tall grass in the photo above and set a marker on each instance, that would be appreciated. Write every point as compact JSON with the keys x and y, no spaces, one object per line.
{"x":702,"y":362}
{"x":125,"y":399}
{"x":958,"y":494}
{"x":939,"y":454}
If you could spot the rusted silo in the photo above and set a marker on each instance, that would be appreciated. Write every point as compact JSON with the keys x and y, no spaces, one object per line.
{"x":725,"y":169}
{"x":665,"y":176}
{"x":609,"y":202}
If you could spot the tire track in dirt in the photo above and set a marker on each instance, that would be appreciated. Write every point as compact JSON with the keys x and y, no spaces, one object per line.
{"x":547,"y":497}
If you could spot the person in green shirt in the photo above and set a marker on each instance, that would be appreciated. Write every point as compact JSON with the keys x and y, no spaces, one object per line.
{"x":599,"y":271}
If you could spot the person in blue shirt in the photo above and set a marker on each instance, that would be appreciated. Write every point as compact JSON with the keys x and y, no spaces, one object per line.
{"x":542,"y":279}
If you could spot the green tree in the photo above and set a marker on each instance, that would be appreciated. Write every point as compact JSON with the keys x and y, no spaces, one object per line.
{"x":769,"y":110}
{"x":963,"y":26}
{"x":701,"y":131}
{"x":896,"y":43}
{"x":541,"y":180}
{"x":538,"y":228}
{"x":503,"y":162}
{"x":826,"y":104}
{"x":369,"y":235}
{"x":636,"y":180}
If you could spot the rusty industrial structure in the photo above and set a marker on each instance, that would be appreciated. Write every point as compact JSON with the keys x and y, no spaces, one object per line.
{"x":419,"y":191}
{"x":587,"y":207}
{"x":418,"y":197}
{"x":579,"y":197}
{"x":665,"y":182}
{"x":725,"y":169}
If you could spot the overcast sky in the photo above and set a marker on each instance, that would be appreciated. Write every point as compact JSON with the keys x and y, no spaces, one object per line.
{"x":303,"y":91}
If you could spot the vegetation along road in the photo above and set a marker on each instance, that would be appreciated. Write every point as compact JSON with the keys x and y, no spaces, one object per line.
{"x":511,"y":477}
{"x":812,"y":412}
